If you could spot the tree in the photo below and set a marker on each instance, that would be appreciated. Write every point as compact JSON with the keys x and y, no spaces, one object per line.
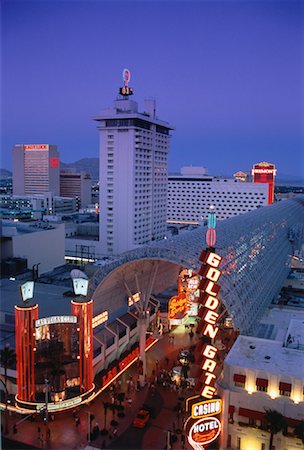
{"x":8,"y":360}
{"x":275,"y":422}
{"x":299,"y":431}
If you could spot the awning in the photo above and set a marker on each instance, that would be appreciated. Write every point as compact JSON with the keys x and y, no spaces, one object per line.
{"x":262,"y":382}
{"x":105,"y":336}
{"x":251,"y":414}
{"x":285,"y":386}
{"x":129,"y":319}
{"x":118,"y":328}
{"x":239,"y":378}
{"x":292,"y":422}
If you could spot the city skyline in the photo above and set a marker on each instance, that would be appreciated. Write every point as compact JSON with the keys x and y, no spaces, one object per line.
{"x":227,"y":75}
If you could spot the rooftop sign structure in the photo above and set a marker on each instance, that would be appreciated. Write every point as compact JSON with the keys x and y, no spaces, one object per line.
{"x":126,"y":90}
{"x":27,"y":290}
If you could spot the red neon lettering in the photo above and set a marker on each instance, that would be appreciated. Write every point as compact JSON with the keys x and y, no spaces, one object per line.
{"x":208,"y":392}
{"x":211,"y":317}
{"x":210,"y":351}
{"x":210,"y":287}
{"x":214,"y":259}
{"x":209,"y":377}
{"x":210,"y":331}
{"x":209,"y":365}
{"x":212,"y":302}
{"x":213,"y":274}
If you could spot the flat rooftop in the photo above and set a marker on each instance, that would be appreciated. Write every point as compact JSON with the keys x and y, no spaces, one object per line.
{"x":270,"y":356}
{"x":49,"y":297}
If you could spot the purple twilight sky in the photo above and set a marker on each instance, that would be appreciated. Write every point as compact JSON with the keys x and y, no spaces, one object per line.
{"x":228,"y":75}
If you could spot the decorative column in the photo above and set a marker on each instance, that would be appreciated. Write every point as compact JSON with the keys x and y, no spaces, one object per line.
{"x":25,"y":317}
{"x":83,"y":310}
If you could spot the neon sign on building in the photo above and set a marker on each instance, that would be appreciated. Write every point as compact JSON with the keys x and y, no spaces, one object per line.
{"x":210,"y":328}
{"x":202,"y":427}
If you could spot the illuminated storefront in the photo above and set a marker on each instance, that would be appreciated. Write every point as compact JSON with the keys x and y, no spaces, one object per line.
{"x":54,"y":357}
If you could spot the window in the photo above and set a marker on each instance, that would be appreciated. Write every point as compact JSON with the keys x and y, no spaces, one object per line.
{"x":238,"y":443}
{"x":239,"y":380}
{"x":262,"y":384}
{"x":285,"y":389}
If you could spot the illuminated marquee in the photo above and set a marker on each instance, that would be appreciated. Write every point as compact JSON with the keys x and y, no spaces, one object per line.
{"x":55,"y":319}
{"x":211,"y":275}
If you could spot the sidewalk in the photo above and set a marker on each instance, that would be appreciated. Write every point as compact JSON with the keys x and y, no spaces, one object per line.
{"x":63,"y":431}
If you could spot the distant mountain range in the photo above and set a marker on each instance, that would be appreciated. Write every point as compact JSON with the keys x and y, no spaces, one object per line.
{"x":91,"y":165}
{"x":4,"y":174}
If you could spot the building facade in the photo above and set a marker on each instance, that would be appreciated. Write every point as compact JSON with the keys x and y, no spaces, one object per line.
{"x":34,"y":207}
{"x":35,"y":169}
{"x":76,"y":185}
{"x":133,"y":172}
{"x":39,"y":243}
{"x":191,"y":194}
{"x":259,"y":375}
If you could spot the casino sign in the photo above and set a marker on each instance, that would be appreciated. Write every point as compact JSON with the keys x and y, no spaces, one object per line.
{"x":202,"y":427}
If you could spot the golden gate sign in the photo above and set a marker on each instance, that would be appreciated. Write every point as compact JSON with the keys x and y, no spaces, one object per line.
{"x":210,"y":301}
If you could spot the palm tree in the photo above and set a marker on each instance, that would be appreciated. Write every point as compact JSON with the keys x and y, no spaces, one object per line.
{"x":275,"y":423}
{"x":299,"y":431}
{"x":7,"y":360}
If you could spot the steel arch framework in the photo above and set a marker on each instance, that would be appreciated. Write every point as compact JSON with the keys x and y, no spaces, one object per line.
{"x":255,"y":248}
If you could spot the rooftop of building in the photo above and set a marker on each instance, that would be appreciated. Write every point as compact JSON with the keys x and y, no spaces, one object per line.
{"x":9,"y":228}
{"x":51,"y":300}
{"x":267,"y":355}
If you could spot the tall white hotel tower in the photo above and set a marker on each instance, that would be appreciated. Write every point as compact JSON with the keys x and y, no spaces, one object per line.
{"x":133,"y":174}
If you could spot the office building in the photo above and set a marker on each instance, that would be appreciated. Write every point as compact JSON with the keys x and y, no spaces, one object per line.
{"x":76,"y":185}
{"x":191,"y":194}
{"x":34,"y":207}
{"x":133,"y":172}
{"x":35,"y":169}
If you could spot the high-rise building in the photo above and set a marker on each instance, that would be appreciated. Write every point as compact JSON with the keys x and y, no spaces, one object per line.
{"x":133,"y":175}
{"x":35,"y":169}
{"x":265,"y":172}
{"x":76,"y":185}
{"x":192,"y":193}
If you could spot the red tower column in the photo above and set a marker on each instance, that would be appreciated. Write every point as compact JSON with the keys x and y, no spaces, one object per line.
{"x":265,"y":173}
{"x":25,"y":317}
{"x":83,"y":310}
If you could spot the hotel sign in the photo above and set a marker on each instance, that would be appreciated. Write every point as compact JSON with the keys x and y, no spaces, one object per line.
{"x":204,"y":431}
{"x":202,"y":427}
